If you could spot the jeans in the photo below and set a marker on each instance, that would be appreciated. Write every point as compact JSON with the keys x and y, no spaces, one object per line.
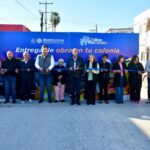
{"x":10,"y":85}
{"x":148,"y":92}
{"x":45,"y":80}
{"x":120,"y":91}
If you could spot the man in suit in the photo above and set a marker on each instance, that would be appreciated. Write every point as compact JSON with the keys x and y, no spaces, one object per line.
{"x":75,"y":67}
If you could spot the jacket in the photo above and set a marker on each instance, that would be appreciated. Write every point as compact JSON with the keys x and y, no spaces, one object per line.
{"x":11,"y":65}
{"x":104,"y":74}
{"x":117,"y":76}
{"x":95,"y":65}
{"x":80,"y":65}
{"x":59,"y":71}
{"x":133,"y":71}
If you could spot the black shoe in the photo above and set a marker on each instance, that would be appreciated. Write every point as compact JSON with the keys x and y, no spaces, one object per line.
{"x":148,"y":101}
{"x":56,"y":101}
{"x":78,"y":103}
{"x":40,"y":101}
{"x":14,"y":101}
{"x":100,"y":101}
{"x":119,"y":102}
{"x":106,"y":102}
{"x":62,"y":101}
{"x":50,"y":101}
{"x":72,"y":103}
{"x":7,"y":101}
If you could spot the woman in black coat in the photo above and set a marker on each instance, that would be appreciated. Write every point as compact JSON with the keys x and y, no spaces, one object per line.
{"x":104,"y":78}
{"x":92,"y":71}
{"x":135,"y":69}
{"x":120,"y":79}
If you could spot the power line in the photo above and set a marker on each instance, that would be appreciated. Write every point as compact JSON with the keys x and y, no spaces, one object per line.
{"x":24,"y":7}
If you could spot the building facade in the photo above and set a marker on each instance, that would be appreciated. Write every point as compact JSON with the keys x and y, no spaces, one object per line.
{"x":142,"y":26}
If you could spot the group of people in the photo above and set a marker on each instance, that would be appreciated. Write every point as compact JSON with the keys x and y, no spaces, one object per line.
{"x":94,"y":72}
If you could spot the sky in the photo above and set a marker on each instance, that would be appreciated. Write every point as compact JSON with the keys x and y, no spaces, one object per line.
{"x":76,"y":15}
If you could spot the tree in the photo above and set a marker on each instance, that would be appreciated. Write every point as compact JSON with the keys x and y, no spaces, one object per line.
{"x":55,"y":20}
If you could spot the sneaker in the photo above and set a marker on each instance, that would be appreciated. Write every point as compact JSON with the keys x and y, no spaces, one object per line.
{"x":22,"y":102}
{"x":148,"y":101}
{"x":30,"y":100}
{"x":100,"y":101}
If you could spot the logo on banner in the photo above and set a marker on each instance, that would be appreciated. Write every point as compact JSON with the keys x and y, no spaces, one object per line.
{"x":86,"y":40}
{"x":47,"y":41}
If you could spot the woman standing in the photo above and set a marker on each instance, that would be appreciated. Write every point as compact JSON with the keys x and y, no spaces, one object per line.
{"x":104,"y":78}
{"x":120,"y":79}
{"x":92,"y":71}
{"x":136,"y":70}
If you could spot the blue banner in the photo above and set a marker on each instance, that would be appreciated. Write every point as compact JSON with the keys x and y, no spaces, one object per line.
{"x":61,"y":44}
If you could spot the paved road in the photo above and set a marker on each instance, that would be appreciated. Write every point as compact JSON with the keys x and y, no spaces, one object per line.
{"x":64,"y":127}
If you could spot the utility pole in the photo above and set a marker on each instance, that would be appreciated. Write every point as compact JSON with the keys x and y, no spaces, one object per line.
{"x":95,"y":30}
{"x":41,"y":24}
{"x":46,"y":12}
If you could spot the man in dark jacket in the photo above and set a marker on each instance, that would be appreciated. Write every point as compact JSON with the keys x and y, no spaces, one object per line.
{"x":26,"y":76}
{"x":75,"y":67}
{"x":104,"y":78}
{"x":9,"y":70}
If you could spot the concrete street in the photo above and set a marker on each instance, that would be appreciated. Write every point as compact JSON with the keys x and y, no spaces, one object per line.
{"x":59,"y":126}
